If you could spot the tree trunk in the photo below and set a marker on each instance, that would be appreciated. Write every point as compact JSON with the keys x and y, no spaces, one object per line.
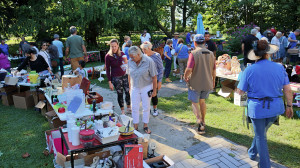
{"x":173,"y":21}
{"x":165,"y":30}
{"x":184,"y":17}
{"x":91,"y":34}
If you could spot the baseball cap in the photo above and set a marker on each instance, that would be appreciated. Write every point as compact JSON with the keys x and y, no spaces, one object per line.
{"x":56,"y":36}
{"x":199,"y":38}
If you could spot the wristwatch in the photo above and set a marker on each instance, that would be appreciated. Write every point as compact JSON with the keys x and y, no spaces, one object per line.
{"x":288,"y":106}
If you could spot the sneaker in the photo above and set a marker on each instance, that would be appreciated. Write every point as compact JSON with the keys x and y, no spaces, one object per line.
{"x":168,"y":80}
{"x":180,"y":81}
{"x":155,"y":112}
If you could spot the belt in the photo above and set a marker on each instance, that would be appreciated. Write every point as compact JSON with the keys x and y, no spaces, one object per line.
{"x":268,"y":99}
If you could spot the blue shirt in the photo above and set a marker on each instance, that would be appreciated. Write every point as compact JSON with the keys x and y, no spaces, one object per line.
{"x":4,"y":48}
{"x":159,"y":65}
{"x":175,"y":42}
{"x":293,"y":37}
{"x":264,"y":79}
{"x":184,"y":52}
{"x":168,"y":50}
{"x":59,"y":46}
{"x":126,"y":52}
{"x":188,"y":38}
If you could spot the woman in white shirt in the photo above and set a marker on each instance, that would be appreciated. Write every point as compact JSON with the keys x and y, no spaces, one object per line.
{"x":44,"y":53}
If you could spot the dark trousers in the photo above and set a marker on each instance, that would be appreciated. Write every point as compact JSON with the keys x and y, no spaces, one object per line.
{"x":168,"y":67}
{"x":121,"y":84}
{"x":61,"y":66}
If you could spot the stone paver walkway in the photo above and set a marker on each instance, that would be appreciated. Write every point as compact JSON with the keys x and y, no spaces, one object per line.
{"x":217,"y":152}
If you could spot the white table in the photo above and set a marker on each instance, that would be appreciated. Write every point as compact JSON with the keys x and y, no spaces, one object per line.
{"x":87,"y":112}
{"x":231,"y":77}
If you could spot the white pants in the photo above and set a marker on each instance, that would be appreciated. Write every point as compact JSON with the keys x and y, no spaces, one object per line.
{"x":137,"y":96}
{"x":174,"y":58}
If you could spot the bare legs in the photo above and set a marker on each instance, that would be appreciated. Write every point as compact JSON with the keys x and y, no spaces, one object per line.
{"x":199,"y":110}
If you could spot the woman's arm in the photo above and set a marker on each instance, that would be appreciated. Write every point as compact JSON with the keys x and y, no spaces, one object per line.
{"x":154,"y":82}
{"x":289,"y":99}
{"x":107,"y":68}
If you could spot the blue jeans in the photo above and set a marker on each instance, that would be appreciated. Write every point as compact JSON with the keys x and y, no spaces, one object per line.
{"x":259,"y":144}
{"x":168,"y":67}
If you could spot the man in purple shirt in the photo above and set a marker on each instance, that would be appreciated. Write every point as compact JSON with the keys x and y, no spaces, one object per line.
{"x":4,"y":47}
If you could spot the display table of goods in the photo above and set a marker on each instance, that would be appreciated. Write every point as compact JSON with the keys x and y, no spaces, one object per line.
{"x":227,"y":67}
{"x":92,"y":132}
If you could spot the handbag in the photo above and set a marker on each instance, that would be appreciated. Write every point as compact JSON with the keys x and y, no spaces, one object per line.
{"x":54,"y":63}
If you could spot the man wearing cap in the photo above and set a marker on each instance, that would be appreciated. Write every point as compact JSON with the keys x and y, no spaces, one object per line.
{"x":75,"y":46}
{"x":56,"y":42}
{"x":174,"y":46}
{"x":200,"y":76}
{"x":247,"y":45}
{"x":4,"y":47}
{"x":292,"y":38}
{"x":264,"y":82}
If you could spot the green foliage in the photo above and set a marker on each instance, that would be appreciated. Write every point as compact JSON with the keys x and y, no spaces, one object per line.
{"x":235,"y":37}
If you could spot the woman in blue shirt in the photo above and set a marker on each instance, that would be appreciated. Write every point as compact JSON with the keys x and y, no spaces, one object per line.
{"x":127,"y":46}
{"x":283,"y":45}
{"x":182,"y":52}
{"x":168,"y":59}
{"x":264,"y":82}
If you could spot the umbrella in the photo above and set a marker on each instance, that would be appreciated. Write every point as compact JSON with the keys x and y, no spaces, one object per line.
{"x":200,"y":26}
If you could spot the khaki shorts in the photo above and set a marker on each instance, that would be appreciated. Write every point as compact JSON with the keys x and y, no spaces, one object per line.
{"x":74,"y":62}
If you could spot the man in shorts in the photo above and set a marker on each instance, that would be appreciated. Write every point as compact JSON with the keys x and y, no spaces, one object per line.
{"x":200,"y":76}
{"x":76,"y":48}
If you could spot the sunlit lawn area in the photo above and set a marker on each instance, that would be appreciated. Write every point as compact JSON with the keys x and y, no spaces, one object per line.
{"x":225,"y":119}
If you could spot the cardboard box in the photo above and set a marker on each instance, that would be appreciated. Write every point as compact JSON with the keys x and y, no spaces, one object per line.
{"x":144,"y":143}
{"x":133,"y":156}
{"x":49,"y":140}
{"x":240,"y":100}
{"x":65,"y":161}
{"x":228,"y":87}
{"x":53,"y":120}
{"x":35,"y":97}
{"x":11,"y":80}
{"x":88,"y":160}
{"x":7,"y":95}
{"x":163,"y":158}
{"x":41,"y":105}
{"x":23,"y":100}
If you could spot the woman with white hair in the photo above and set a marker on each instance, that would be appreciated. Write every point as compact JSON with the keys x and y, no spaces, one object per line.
{"x":143,"y":83}
{"x":146,"y":47}
{"x":116,"y":74}
{"x":275,"y":41}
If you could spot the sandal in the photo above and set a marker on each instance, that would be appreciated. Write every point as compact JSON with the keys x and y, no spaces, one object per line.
{"x":147,"y":130}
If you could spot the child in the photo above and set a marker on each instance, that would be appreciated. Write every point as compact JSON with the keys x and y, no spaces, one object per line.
{"x":80,"y":70}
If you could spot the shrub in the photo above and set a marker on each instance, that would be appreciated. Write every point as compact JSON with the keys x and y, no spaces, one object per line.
{"x":236,"y":37}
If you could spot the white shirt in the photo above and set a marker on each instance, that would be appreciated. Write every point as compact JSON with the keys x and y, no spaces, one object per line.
{"x":275,"y":41}
{"x":258,"y":35}
{"x":146,"y":38}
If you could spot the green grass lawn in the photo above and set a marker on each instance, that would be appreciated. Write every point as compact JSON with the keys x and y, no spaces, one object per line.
{"x":225,"y":119}
{"x":23,"y":131}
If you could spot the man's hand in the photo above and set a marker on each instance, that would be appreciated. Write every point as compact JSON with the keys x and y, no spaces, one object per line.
{"x":289,"y":112}
{"x":169,"y":58}
{"x":86,"y":59}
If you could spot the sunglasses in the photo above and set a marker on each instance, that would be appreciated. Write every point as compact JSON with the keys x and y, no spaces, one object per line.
{"x":45,"y":45}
